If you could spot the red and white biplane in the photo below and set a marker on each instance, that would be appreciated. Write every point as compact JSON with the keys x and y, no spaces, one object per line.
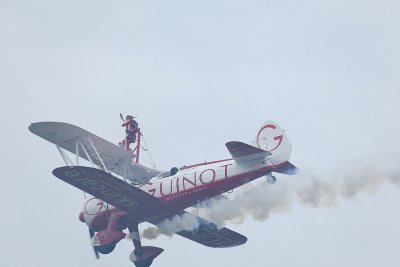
{"x":126,"y":193}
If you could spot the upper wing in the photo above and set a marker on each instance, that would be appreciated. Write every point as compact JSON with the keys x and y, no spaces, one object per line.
{"x":243,"y":152}
{"x":112,"y":190}
{"x":209,"y":235}
{"x":116,"y":160}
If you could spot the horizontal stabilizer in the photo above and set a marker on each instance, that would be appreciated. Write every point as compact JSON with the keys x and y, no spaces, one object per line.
{"x":243,"y":152}
{"x":288,"y":169}
{"x":209,"y":235}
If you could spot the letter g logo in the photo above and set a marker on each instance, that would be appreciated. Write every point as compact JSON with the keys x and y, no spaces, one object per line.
{"x":269,"y":137}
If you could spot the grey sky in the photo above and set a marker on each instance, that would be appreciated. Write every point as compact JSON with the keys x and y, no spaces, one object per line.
{"x":199,"y":74}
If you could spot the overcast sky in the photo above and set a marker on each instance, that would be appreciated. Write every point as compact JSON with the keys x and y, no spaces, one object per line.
{"x":199,"y":74}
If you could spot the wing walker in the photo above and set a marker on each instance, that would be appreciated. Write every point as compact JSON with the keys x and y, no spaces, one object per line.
{"x":124,"y":193}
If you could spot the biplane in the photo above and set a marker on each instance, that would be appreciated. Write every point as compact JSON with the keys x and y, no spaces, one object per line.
{"x":126,"y":193}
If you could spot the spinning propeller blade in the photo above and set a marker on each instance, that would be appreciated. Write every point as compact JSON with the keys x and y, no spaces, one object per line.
{"x":96,"y":253}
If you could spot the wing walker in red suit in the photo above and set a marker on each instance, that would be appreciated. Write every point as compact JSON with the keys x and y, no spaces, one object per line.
{"x":132,"y":130}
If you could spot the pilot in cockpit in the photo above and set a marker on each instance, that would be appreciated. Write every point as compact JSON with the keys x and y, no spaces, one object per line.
{"x":173,"y":171}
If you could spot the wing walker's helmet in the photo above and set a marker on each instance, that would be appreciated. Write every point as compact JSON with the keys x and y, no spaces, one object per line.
{"x":129,"y":117}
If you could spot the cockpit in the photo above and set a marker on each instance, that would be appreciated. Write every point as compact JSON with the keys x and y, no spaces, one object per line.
{"x":172,"y":172}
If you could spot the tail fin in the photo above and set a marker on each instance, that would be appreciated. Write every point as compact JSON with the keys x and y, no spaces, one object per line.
{"x":272,"y":138}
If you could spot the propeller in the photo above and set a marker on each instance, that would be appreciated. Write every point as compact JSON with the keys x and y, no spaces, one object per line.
{"x":91,"y":234}
{"x":96,"y":253}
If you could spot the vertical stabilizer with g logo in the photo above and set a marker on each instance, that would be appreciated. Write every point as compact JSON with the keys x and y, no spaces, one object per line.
{"x":272,"y":138}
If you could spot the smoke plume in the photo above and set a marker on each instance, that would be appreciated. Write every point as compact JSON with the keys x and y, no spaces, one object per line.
{"x":259,"y":199}
{"x":170,"y":226}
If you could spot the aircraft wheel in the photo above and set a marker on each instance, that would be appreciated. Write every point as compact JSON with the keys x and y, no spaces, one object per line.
{"x":107,"y":249}
{"x":271,"y":179}
{"x":144,"y":263}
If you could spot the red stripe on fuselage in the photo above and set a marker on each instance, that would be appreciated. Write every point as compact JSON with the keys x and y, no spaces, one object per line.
{"x":202,"y":164}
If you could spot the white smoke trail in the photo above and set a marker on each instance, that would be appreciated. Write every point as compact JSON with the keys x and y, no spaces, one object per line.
{"x":366,"y":176}
{"x":259,"y":199}
{"x":170,"y":226}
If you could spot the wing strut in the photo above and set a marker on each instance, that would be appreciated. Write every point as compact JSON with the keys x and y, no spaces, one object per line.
{"x":86,"y":153}
{"x":77,"y":151}
{"x":78,"y":142}
{"x":68,"y":161}
{"x":65,"y":158}
{"x":98,"y":156}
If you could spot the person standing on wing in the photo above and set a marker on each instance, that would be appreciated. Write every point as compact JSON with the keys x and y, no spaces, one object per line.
{"x":131,"y":129}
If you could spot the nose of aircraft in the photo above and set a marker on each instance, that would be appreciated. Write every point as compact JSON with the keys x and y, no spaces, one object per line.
{"x":81,"y":218}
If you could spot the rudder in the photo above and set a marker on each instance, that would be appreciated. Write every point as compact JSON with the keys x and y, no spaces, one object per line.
{"x":272,"y":138}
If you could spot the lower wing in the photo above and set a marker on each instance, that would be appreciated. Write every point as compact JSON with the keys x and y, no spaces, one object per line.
{"x":208,"y":234}
{"x":143,"y":206}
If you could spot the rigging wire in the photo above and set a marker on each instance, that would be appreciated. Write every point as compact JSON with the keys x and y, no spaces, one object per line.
{"x":67,"y":159}
{"x":148,"y":152}
{"x":69,"y":162}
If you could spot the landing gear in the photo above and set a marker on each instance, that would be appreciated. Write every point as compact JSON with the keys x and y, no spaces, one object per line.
{"x":143,"y":263}
{"x":270,"y":178}
{"x":147,"y":256}
{"x":107,"y":249}
{"x":142,"y":256}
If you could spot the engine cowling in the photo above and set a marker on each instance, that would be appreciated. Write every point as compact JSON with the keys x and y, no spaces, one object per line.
{"x":105,"y":241}
{"x":105,"y":220}
{"x":97,"y":214}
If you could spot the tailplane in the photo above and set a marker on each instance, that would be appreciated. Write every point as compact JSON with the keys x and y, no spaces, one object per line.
{"x":288,"y":169}
{"x":242,"y":152}
{"x":271,"y":143}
